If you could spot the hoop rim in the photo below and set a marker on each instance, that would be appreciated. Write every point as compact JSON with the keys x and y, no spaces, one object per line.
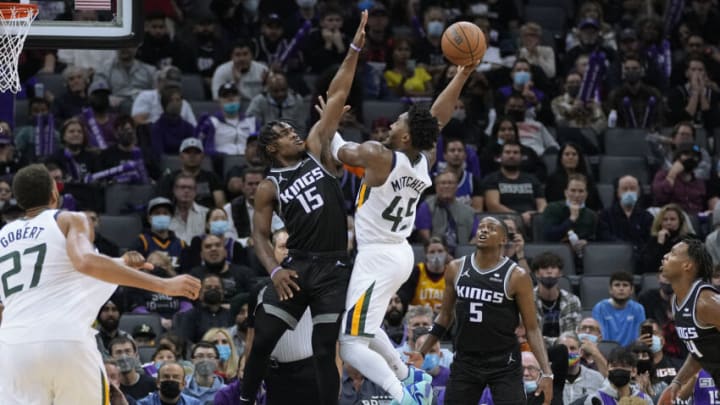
{"x":6,"y":9}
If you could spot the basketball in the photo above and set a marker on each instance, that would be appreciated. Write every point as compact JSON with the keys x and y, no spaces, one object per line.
{"x":665,"y":398}
{"x":463,"y":43}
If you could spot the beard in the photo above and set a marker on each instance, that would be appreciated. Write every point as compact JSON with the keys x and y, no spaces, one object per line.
{"x":394,"y":317}
{"x":108,"y":324}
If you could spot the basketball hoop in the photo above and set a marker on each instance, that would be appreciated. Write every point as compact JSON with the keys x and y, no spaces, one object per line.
{"x":15,"y":20}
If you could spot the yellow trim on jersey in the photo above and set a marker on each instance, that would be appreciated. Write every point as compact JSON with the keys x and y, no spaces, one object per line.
{"x":357,"y":314}
{"x":363,"y":195}
{"x":105,"y":389}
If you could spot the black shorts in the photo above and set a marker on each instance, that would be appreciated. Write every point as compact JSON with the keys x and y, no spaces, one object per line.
{"x":292,"y":383}
{"x":323,"y":280}
{"x":471,"y":373}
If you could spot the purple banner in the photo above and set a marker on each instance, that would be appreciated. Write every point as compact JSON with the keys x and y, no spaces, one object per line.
{"x":44,"y":135}
{"x":96,"y":139}
{"x":673,"y":14}
{"x":295,"y":42}
{"x":591,"y":80}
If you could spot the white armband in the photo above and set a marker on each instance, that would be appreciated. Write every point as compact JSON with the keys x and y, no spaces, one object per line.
{"x":335,"y":145}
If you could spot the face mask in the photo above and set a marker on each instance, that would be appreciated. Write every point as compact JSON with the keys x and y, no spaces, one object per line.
{"x":160,"y":222}
{"x":530,"y":386}
{"x":666,"y":288}
{"x":573,"y":358}
{"x":431,"y":361}
{"x":573,"y":91}
{"x":628,"y":199}
{"x":521,"y":78}
{"x":158,"y":364}
{"x":126,"y":363}
{"x":633,"y":77}
{"x":251,"y":5}
{"x":435,"y":28}
{"x":517,"y":115}
{"x":99,"y":103}
{"x":212,"y":297}
{"x":586,"y":336}
{"x":459,"y":114}
{"x":170,"y":389}
{"x":436,"y":261}
{"x":568,"y":203}
{"x":548,"y":282}
{"x":173,"y":109}
{"x":644,"y":366}
{"x":219,"y":227}
{"x":224,"y":351}
{"x":231,"y":108}
{"x":205,"y":367}
{"x":394,"y":317}
{"x":689,"y":164}
{"x":500,"y":141}
{"x":306,"y":3}
{"x":656,"y":345}
{"x":619,"y":377}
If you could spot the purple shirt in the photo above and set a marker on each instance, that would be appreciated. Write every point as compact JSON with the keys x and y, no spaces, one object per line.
{"x":705,"y":392}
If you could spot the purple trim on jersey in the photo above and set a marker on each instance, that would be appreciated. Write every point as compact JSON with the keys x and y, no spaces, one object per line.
{"x":705,"y":392}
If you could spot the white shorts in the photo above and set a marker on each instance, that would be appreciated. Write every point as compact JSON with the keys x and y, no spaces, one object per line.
{"x":379,"y":272}
{"x":52,"y":373}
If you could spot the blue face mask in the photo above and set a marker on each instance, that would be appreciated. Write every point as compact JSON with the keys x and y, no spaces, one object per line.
{"x":219,"y":227}
{"x":500,"y":141}
{"x":160,"y":222}
{"x":584,"y":336}
{"x":530,"y":386}
{"x":431,"y":361}
{"x":158,"y":364}
{"x":224,"y":351}
{"x":231,"y":108}
{"x":628,"y":199}
{"x":521,"y":78}
{"x":656,"y":344}
{"x":567,"y":202}
{"x":435,"y":28}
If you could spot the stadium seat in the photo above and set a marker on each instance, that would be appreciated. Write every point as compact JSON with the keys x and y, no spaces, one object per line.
{"x":121,"y":199}
{"x":129,"y":321}
{"x":22,"y":116}
{"x":204,"y":107}
{"x":612,"y":167}
{"x":565,"y":284}
{"x":549,"y":17}
{"x":701,"y":135}
{"x":464,"y":250}
{"x":120,"y":229}
{"x":607,"y":194}
{"x":626,"y":142}
{"x":145,"y":353}
{"x":373,"y":110}
{"x":603,"y":259}
{"x":649,"y":281}
{"x":538,"y":233}
{"x":172,"y":162}
{"x":53,"y":82}
{"x":193,"y":88}
{"x":418,"y":252}
{"x":229,"y":161}
{"x":561,"y":249}
{"x":550,"y":161}
{"x":607,"y":346}
{"x":593,"y":289}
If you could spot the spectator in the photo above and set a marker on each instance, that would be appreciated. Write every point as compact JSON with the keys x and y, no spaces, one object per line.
{"x":30,"y":139}
{"x":444,"y":215}
{"x":571,"y":160}
{"x":663,"y":148}
{"x":533,"y":52}
{"x":505,"y":130}
{"x":589,"y":40}
{"x":6,"y":196}
{"x":125,"y":149}
{"x":594,"y":11}
{"x":420,"y":319}
{"x":590,"y":334}
{"x":695,"y":47}
{"x":440,"y":374}
{"x":272,"y":44}
{"x":356,"y":389}
{"x":629,"y":45}
{"x":227,"y":132}
{"x":558,"y":310}
{"x":229,"y":356}
{"x":99,"y":121}
{"x":523,"y":85}
{"x":236,"y":279}
{"x":162,"y":354}
{"x":678,"y":184}
{"x":127,"y":77}
{"x":217,"y":224}
{"x":469,"y":190}
{"x":581,"y":381}
{"x":570,"y":111}
{"x":204,"y":383}
{"x":428,"y":52}
{"x":626,"y":220}
{"x":206,"y":47}
{"x":619,"y":316}
{"x":208,"y":312}
{"x":561,"y":218}
{"x":712,"y":241}
{"x":147,"y":107}
{"x":532,"y":133}
{"x":393,"y":320}
{"x":426,"y":283}
{"x":71,"y":102}
{"x":170,"y":386}
{"x":169,"y":131}
{"x":158,"y":48}
{"x":144,"y":335}
{"x":113,"y":376}
{"x":239,"y":331}
{"x":669,"y":227}
{"x":622,"y":365}
{"x":188,"y":220}
{"x":515,"y":248}
{"x":404,"y":78}
{"x":10,"y":159}
{"x":663,"y":368}
{"x":703,"y":18}
{"x":656,"y":302}
{"x":326,"y":45}
{"x":646,"y":379}
{"x":696,"y":100}
{"x":636,"y":104}
{"x":107,"y":326}
{"x":242,"y":70}
{"x":76,"y":158}
{"x":103,"y":245}
{"x":512,"y":190}
{"x":132,"y":382}
{"x":159,"y":237}
{"x":278,"y":102}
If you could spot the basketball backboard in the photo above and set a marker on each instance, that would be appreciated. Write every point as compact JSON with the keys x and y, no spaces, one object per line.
{"x":85,"y":24}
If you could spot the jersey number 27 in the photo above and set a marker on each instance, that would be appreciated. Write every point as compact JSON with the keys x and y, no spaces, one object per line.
{"x":395,"y":213}
{"x":14,"y":256}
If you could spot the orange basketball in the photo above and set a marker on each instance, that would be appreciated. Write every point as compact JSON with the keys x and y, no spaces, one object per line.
{"x":665,"y":398}
{"x":463,"y":43}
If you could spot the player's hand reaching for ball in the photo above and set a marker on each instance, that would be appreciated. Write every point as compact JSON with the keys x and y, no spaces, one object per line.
{"x":284,"y":283}
{"x":182,"y":286}
{"x":545,"y":387}
{"x":468,"y":70}
{"x":136,"y":260}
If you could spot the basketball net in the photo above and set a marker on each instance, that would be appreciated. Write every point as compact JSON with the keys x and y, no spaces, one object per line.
{"x":15,"y":20}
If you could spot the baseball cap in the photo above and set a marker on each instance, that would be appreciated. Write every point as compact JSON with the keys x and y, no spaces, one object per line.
{"x":171,"y":75}
{"x":99,"y":84}
{"x":272,"y":19}
{"x":191,"y":143}
{"x":159,"y":202}
{"x":628,"y":34}
{"x":143,"y":330}
{"x":228,"y":89}
{"x":589,"y":22}
{"x":378,"y":9}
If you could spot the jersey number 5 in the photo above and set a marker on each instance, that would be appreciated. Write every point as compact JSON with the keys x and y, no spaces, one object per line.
{"x":39,"y":250}
{"x":476,"y":312}
{"x":394,"y":214}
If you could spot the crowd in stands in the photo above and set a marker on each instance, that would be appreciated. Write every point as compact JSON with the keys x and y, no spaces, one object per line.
{"x":591,"y":128}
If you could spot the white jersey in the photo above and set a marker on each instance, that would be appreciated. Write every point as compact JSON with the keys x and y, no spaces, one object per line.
{"x":45,"y":297}
{"x":386,"y":213}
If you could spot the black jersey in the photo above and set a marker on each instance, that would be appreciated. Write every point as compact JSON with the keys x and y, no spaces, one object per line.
{"x":703,"y":342}
{"x":311,"y":204}
{"x":486,"y":315}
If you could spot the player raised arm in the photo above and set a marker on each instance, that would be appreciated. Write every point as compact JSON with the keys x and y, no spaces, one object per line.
{"x":80,"y":250}
{"x":444,"y":104}
{"x":318,"y":140}
{"x":521,"y":289}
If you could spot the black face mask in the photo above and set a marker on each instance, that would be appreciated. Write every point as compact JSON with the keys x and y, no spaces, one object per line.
{"x":548,"y":282}
{"x":573,"y":91}
{"x":126,"y":138}
{"x":666,"y":288}
{"x":99,"y":103}
{"x":517,"y":115}
{"x":170,"y":389}
{"x":644,"y":366}
{"x":633,"y":77}
{"x":212,"y":297}
{"x":689,"y":164}
{"x":394,"y":317}
{"x":243,"y":326}
{"x":619,"y":377}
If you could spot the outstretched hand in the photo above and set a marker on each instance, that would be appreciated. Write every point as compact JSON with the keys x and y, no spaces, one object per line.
{"x":182,"y":286}
{"x":136,"y":260}
{"x":320,"y":106}
{"x":469,"y":69}
{"x":359,"y":38}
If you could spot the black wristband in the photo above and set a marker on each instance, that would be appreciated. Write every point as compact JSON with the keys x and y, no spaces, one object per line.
{"x":438,"y":330}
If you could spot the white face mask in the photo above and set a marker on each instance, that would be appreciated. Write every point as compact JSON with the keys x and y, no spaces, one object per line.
{"x":436,"y":261}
